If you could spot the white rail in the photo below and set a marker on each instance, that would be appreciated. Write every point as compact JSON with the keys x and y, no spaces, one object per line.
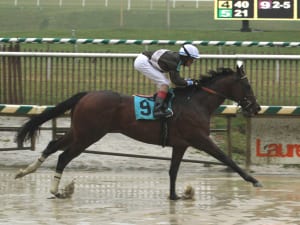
{"x":132,"y":55}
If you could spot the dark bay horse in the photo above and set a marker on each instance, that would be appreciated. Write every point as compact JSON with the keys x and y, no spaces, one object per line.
{"x":94,"y":114}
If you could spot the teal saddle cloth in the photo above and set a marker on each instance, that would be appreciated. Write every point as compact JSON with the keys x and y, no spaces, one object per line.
{"x":144,"y":106}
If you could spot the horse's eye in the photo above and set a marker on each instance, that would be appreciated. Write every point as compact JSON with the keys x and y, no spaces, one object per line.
{"x":248,"y":87}
{"x":246,"y":84}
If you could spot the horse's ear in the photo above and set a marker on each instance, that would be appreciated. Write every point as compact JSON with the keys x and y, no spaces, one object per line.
{"x":240,"y":68}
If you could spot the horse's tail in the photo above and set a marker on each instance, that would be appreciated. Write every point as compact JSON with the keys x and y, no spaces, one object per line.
{"x":28,"y":130}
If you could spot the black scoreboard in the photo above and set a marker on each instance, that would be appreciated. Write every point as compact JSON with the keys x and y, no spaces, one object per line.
{"x":257,"y":9}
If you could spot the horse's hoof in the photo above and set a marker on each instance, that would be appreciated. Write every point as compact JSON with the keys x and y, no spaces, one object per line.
{"x":59,"y":195}
{"x":174,"y":198}
{"x":257,"y":184}
{"x":55,"y":196}
{"x":20,"y":174}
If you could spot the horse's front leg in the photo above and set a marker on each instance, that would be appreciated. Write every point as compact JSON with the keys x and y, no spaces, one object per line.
{"x":177,"y":155}
{"x":207,"y":145}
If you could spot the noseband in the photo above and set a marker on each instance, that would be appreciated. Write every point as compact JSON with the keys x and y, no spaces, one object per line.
{"x":245,"y":103}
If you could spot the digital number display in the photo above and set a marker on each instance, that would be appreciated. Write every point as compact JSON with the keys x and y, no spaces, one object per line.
{"x":275,"y":9}
{"x":235,"y":9}
{"x":257,"y":9}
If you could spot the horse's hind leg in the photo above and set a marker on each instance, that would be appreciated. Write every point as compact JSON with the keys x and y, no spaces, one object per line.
{"x":74,"y":149}
{"x":52,"y":147}
{"x":63,"y":160}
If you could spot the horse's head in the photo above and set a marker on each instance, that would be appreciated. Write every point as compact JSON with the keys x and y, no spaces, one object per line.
{"x":243,"y":94}
{"x":229,"y":84}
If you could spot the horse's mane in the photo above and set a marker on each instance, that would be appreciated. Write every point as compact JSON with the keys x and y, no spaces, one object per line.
{"x":212,"y":75}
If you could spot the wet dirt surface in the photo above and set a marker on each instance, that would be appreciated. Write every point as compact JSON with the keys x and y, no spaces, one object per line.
{"x":134,"y":198}
{"x":113,"y":190}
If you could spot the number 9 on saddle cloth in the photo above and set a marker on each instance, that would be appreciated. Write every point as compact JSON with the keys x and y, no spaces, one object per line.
{"x":144,"y":105}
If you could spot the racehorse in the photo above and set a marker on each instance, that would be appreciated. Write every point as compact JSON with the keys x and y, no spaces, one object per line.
{"x":94,"y":114}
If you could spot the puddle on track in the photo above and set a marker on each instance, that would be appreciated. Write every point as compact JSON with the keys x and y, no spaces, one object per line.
{"x":127,"y":191}
{"x":134,"y":198}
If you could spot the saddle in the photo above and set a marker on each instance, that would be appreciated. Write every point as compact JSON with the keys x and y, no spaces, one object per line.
{"x":144,"y":106}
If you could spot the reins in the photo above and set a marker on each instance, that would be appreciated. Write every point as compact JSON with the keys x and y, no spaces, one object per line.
{"x":211,"y":91}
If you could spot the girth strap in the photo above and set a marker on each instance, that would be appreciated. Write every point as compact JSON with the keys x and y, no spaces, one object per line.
{"x":164,"y":131}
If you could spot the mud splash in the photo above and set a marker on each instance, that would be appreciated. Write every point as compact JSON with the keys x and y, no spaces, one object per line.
{"x":113,"y":190}
{"x":134,"y":198}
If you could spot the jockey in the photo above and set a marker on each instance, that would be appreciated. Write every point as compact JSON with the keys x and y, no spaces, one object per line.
{"x":153,"y":64}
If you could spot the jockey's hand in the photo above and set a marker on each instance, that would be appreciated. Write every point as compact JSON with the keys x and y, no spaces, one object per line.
{"x":196,"y":82}
{"x":191,"y":82}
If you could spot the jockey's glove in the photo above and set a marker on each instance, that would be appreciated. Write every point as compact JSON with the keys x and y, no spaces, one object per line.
{"x":194,"y":82}
{"x":189,"y":82}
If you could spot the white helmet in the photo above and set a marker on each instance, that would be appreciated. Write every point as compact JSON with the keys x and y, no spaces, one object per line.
{"x":190,"y":51}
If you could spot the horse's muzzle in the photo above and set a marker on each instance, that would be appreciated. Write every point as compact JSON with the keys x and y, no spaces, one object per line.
{"x":251,"y":110}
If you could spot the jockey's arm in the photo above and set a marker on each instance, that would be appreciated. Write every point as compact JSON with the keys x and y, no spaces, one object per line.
{"x":170,"y":62}
{"x":176,"y":79}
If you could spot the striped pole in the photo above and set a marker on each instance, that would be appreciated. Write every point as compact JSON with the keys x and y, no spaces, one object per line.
{"x":22,"y":109}
{"x":221,"y":110}
{"x":148,"y":42}
{"x":37,"y":109}
{"x":280,"y":110}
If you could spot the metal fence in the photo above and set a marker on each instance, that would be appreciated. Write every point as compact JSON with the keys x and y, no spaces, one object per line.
{"x":45,"y":78}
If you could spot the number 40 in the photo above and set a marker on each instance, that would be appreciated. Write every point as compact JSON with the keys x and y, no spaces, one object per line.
{"x":242,"y":4}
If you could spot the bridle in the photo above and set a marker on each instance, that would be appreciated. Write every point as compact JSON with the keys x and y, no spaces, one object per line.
{"x":245,"y":103}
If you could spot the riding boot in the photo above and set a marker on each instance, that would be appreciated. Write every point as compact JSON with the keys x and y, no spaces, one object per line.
{"x":159,"y":109}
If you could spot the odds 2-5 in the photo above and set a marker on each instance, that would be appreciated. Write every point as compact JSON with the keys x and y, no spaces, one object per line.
{"x":275,"y":4}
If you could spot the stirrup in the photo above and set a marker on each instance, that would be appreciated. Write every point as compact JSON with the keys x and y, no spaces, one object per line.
{"x":163,"y":114}
{"x":170,"y":111}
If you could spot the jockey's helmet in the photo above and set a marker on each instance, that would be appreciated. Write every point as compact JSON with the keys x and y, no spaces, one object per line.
{"x":190,"y":51}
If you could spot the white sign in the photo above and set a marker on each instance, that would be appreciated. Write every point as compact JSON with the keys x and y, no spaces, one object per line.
{"x":275,"y":140}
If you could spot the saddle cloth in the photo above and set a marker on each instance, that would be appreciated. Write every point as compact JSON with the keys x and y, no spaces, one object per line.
{"x":144,"y":106}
